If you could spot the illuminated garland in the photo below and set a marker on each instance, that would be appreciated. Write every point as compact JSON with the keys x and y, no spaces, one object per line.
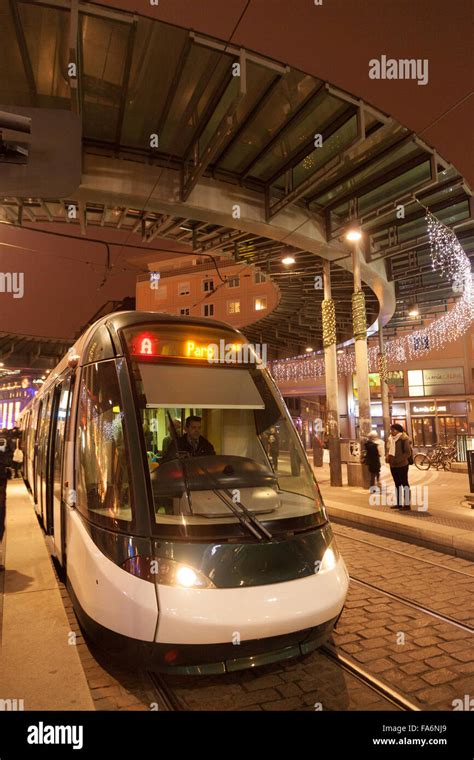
{"x":359,"y":319}
{"x":449,"y":259}
{"x":382,"y":366}
{"x":329,"y":322}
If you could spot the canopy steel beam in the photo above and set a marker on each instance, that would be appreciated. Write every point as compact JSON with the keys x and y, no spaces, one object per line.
{"x":183,"y":58}
{"x":25,"y":58}
{"x":315,"y":96}
{"x":191,"y":175}
{"x":300,"y":191}
{"x":261,"y":102}
{"x":127,"y":67}
{"x":361,"y":167}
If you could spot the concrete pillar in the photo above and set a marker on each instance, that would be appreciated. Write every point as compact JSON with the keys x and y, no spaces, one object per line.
{"x":330,"y":364}
{"x":361,"y":355}
{"x":384,"y":392}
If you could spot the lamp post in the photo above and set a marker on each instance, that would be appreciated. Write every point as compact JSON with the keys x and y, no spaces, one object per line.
{"x":330,"y":372}
{"x":359,"y":321}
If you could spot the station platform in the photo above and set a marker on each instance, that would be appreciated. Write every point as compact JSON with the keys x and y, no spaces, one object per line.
{"x":447,"y":525}
{"x":39,"y":663}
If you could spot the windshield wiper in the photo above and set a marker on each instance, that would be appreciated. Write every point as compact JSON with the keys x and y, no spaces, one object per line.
{"x":181,"y":460}
{"x":243,"y":514}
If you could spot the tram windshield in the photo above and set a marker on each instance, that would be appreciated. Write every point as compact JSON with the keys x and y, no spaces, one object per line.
{"x":223,"y":456}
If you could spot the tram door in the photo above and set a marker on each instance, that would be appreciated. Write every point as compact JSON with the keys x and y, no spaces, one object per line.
{"x":39,"y":417}
{"x":43,"y":454}
{"x":60,"y":416}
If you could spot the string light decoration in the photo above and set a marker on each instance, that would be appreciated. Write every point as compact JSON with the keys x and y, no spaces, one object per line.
{"x":359,"y":319}
{"x":382,"y":367}
{"x":329,"y":322}
{"x":449,"y":259}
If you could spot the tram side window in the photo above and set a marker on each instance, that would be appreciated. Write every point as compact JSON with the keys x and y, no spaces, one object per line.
{"x":103,"y":487}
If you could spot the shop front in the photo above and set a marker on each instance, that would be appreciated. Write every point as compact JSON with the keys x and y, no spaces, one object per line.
{"x":438,"y":421}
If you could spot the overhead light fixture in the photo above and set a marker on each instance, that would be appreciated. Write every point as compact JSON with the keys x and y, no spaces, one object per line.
{"x":309,"y":349}
{"x":353,"y":235}
{"x":288,"y":260}
{"x":413,"y":310}
{"x":340,"y":350}
{"x":2,"y":364}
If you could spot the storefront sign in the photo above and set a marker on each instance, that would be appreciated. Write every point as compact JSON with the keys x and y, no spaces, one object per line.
{"x":443,"y":376}
{"x":431,"y":409}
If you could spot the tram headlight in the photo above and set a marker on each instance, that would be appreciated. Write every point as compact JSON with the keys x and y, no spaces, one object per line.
{"x":330,"y":557}
{"x":166,"y":572}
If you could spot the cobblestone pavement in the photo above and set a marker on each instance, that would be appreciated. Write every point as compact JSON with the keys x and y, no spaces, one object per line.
{"x":428,"y":661}
{"x":430,"y":585}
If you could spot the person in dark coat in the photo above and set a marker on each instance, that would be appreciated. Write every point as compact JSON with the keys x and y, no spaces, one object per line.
{"x":399,"y":456}
{"x":192,"y":442}
{"x":273,"y":447}
{"x":5,"y":464}
{"x":372,"y":459}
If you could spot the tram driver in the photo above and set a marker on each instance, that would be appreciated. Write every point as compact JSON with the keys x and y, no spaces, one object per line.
{"x":192,"y":442}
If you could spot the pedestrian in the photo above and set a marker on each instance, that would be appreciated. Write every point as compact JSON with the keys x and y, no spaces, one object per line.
{"x":273,"y":447}
{"x":399,"y":457}
{"x":372,"y":458}
{"x":17,"y":460}
{"x":5,"y":462}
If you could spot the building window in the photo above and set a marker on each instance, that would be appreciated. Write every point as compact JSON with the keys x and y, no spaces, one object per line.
{"x":184,"y":288}
{"x":259,"y":277}
{"x":184,"y":312}
{"x":208,"y":310}
{"x":233,"y":282}
{"x":233,"y":307}
{"x":260,"y":303}
{"x":208,"y":286}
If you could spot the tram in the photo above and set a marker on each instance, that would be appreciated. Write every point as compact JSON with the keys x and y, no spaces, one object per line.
{"x":178,"y":499}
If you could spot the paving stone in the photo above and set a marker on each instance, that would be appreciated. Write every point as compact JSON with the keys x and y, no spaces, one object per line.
{"x":436,"y":694}
{"x":264,"y":682}
{"x":283,"y":704}
{"x":441,"y":676}
{"x":413,"y":668}
{"x":378,"y":666}
{"x":289,"y":690}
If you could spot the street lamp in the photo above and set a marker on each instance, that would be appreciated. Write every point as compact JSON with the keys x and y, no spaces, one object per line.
{"x":353,"y":235}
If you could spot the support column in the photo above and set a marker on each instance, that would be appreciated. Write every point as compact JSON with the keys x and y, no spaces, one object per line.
{"x":384,"y":390}
{"x":330,"y":371}
{"x":359,"y":320}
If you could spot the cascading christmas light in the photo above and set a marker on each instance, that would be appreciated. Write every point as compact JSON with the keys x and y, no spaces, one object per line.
{"x":329,"y":322}
{"x":450,"y":260}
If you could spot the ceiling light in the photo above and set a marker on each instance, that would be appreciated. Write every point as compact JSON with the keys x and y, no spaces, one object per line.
{"x":288,"y":260}
{"x":413,"y":310}
{"x":353,"y":235}
{"x":309,"y":349}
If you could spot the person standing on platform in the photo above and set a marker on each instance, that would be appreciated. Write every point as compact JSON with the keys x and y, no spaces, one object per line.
{"x":5,"y":463}
{"x":399,"y":457}
{"x":17,"y":460}
{"x":372,"y":458}
{"x":273,"y":447}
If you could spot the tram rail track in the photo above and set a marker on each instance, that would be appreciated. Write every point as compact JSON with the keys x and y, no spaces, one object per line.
{"x":165,"y":693}
{"x":415,"y":605}
{"x":403,"y":554}
{"x":381,"y":688}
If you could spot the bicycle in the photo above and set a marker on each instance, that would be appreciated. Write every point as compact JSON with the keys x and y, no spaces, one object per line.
{"x":441,"y":457}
